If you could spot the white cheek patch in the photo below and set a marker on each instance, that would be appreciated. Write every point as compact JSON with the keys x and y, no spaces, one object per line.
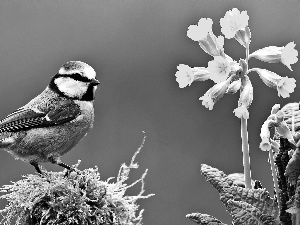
{"x":70,"y":87}
{"x":89,"y":72}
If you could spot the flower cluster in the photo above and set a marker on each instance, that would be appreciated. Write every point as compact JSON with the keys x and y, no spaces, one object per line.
{"x":228,"y":74}
{"x":275,"y":120}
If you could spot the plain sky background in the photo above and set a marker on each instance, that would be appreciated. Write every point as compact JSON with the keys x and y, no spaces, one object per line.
{"x":135,"y":47}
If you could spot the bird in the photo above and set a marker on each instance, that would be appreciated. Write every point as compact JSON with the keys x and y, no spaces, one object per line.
{"x":53,"y":122}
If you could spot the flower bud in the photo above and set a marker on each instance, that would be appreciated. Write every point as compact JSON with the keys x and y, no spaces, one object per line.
{"x":265,"y":130}
{"x":244,"y":65}
{"x":214,"y":94}
{"x":243,"y":36}
{"x":234,"y":87}
{"x":275,"y":108}
{"x":279,"y":116}
{"x":284,"y":130}
{"x":246,"y":96}
{"x":212,"y":45}
{"x":274,"y":145}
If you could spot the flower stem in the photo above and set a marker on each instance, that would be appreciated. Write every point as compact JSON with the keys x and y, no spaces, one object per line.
{"x":275,"y":181}
{"x":246,"y":156}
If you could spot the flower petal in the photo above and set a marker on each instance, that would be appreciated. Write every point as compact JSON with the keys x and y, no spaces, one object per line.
{"x":184,"y":75}
{"x":289,"y":55}
{"x":219,"y":69}
{"x":286,"y":86}
{"x":200,"y":31}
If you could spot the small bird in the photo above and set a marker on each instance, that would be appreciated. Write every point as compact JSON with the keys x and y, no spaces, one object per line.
{"x":53,"y":122}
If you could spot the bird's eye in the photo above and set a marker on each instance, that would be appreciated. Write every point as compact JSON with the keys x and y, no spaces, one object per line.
{"x":76,"y":76}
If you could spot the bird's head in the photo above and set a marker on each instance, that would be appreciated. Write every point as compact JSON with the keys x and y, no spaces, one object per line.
{"x":75,"y":80}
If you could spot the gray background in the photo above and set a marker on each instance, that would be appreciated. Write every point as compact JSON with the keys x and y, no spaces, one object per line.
{"x":135,"y":47}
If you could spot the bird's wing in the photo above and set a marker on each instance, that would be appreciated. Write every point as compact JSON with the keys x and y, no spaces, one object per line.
{"x":24,"y":118}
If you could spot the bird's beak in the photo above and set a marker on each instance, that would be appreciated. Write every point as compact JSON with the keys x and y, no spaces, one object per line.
{"x":95,"y":81}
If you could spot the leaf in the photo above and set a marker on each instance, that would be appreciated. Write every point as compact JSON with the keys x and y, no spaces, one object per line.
{"x":244,"y":213}
{"x":292,"y":170}
{"x":204,"y":219}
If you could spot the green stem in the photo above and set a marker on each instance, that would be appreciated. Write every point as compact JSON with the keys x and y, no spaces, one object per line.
{"x":275,"y":181}
{"x":246,"y":156}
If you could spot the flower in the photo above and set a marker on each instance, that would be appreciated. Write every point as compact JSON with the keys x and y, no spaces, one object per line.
{"x":246,"y":96}
{"x":219,"y":69}
{"x":207,"y":40}
{"x":200,"y":31}
{"x":275,"y":108}
{"x":184,"y":75}
{"x":214,"y":94}
{"x":286,"y":55}
{"x":234,"y":86}
{"x":213,"y":45}
{"x":286,"y":86}
{"x":279,"y":116}
{"x":269,"y":54}
{"x":207,"y":101}
{"x":284,"y":130}
{"x":241,"y":112}
{"x":243,"y":36}
{"x":265,"y":130}
{"x":233,"y":21}
{"x":265,"y":145}
{"x":289,"y":55}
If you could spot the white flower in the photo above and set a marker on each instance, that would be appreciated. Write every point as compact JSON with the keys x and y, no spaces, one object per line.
{"x":241,"y":112}
{"x":275,"y":108}
{"x":271,"y":54}
{"x":286,"y":55}
{"x":207,"y":101}
{"x":219,"y":69}
{"x":234,"y":86}
{"x":233,"y":21}
{"x":243,"y":36}
{"x":286,"y":86}
{"x":279,"y":116}
{"x":214,"y":94}
{"x":184,"y":75}
{"x":246,"y":96}
{"x":289,"y":55}
{"x":265,"y":145}
{"x":200,"y":31}
{"x":284,"y":130}
{"x":212,"y":45}
{"x":265,"y":130}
